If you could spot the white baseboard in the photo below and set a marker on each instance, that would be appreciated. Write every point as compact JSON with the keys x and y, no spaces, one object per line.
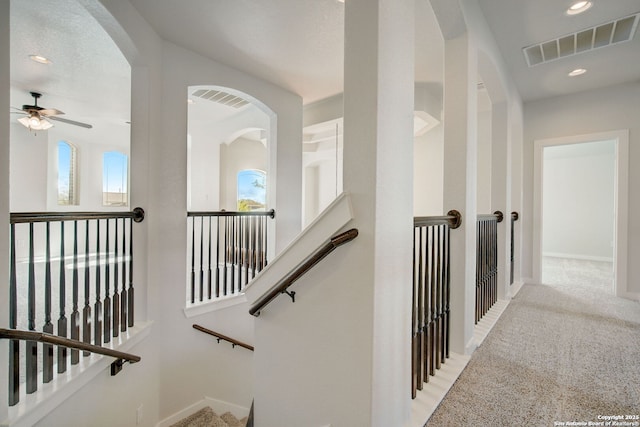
{"x":218,"y":406}
{"x":578,"y":256}
{"x":515,"y":288}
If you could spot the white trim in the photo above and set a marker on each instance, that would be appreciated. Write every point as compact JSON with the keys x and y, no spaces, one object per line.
{"x":621,"y":138}
{"x":218,"y":406}
{"x":199,"y":308}
{"x":34,"y":407}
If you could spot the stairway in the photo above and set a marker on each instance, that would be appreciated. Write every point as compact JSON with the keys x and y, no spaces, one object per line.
{"x":206,"y":417}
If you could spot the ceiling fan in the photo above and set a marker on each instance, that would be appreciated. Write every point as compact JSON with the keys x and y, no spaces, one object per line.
{"x":37,"y":117}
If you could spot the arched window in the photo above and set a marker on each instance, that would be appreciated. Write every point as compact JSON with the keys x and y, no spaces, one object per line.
{"x":115,"y":188}
{"x":252,"y":190}
{"x":67,"y":166}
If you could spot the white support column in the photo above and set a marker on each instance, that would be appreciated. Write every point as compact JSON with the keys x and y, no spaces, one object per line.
{"x":501,"y":192}
{"x":4,"y":203}
{"x":460,"y":186}
{"x":378,"y":173}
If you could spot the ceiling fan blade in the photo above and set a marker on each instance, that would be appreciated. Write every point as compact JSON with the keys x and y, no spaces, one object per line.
{"x":71,"y":122}
{"x":50,"y":112}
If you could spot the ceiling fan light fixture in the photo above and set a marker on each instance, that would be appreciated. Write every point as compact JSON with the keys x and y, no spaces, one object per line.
{"x":579,"y":7}
{"x":35,"y":122}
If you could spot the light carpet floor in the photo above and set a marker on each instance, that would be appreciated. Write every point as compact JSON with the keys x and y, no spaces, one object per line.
{"x":560,"y":353}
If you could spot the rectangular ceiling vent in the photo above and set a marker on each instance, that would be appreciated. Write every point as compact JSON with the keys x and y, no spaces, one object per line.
{"x":618,"y":31}
{"x":221,"y":97}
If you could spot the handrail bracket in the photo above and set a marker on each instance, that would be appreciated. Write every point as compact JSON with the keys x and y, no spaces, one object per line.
{"x":292,"y":295}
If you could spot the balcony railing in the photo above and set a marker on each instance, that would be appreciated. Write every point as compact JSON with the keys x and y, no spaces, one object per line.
{"x":487,"y":262}
{"x":226,"y":251}
{"x":431,"y":292}
{"x":75,"y":261}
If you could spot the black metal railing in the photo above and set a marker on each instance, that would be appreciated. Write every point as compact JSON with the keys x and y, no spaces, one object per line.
{"x":301,"y":269}
{"x":431,"y":291}
{"x":227,"y":250}
{"x":40,"y":260}
{"x":514,"y":218}
{"x":487,"y":262}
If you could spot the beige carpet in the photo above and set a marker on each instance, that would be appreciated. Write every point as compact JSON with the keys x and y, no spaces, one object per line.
{"x":206,"y":417}
{"x":559,"y":353}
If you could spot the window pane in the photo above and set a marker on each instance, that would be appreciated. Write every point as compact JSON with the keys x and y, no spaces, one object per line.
{"x":66,"y":174}
{"x":252,"y":190}
{"x":115,"y":179}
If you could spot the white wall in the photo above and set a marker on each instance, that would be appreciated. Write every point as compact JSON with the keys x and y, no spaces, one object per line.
{"x":428,"y":173}
{"x":484,"y":162}
{"x":601,"y":110}
{"x":578,"y":205}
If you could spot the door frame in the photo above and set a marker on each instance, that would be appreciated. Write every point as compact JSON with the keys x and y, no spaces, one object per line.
{"x":621,"y":202}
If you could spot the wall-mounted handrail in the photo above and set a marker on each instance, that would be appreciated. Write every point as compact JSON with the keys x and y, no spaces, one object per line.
{"x":306,"y":265}
{"x":137,"y":214}
{"x":219,"y":336}
{"x":453,"y":219}
{"x":16,"y":334}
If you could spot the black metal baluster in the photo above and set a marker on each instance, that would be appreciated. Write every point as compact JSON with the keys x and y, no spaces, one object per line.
{"x":75,"y":315}
{"x":438,"y":286}
{"x":253,"y":252}
{"x":97,"y":305}
{"x":421,"y":356}
{"x":434,"y":307}
{"x":209,"y":262}
{"x":193,"y":260}
{"x":416,"y":379}
{"x":62,"y":292}
{"x":115,"y":327}
{"x":226,"y":255}
{"x":107,"y":290}
{"x":131,"y":292}
{"x":32,"y":346}
{"x":14,"y":345}
{"x":217,"y":256}
{"x":448,"y":292}
{"x":233,"y":254}
{"x":47,"y":349}
{"x":201,"y":282}
{"x":265,"y":248}
{"x":86,"y":311}
{"x":123,"y":294}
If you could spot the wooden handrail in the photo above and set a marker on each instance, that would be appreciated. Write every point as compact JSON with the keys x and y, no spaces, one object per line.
{"x":271,"y":213}
{"x":306,"y":265}
{"x":497,"y":215}
{"x":136,"y":214}
{"x":453,"y":219}
{"x":223,"y":337}
{"x":16,"y":334}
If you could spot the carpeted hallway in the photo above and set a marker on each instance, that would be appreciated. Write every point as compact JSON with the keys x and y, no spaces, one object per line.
{"x":566,"y":352}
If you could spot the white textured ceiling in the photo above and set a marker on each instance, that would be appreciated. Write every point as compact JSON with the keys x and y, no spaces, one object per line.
{"x":88,"y":79}
{"x":296,"y":44}
{"x":517,"y":24}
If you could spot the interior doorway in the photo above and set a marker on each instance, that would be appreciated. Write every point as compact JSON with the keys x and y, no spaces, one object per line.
{"x":580,"y":210}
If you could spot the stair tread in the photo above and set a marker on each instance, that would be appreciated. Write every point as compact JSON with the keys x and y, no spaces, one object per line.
{"x":205,"y":417}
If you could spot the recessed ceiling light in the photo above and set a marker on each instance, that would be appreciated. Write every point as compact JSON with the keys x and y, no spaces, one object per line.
{"x":189,"y":101}
{"x":577,"y":72}
{"x":579,"y":7}
{"x":40,"y":59}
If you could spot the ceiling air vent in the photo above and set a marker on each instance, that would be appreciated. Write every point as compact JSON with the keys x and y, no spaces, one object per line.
{"x":221,"y":97}
{"x":618,"y":31}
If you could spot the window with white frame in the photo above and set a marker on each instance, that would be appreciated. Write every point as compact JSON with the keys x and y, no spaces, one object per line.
{"x":115,"y":179}
{"x":252,"y":190}
{"x":67,"y":176}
